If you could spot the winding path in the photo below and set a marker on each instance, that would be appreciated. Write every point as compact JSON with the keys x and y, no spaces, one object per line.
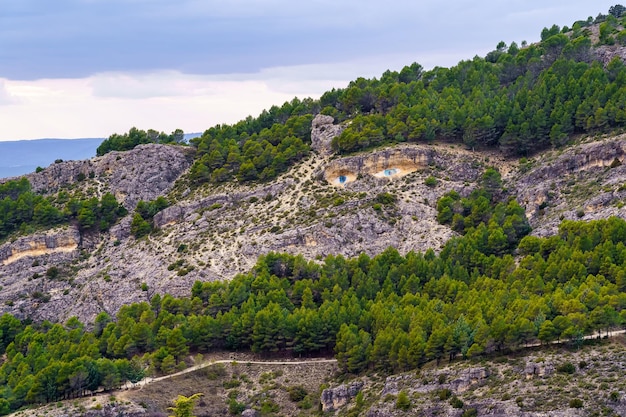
{"x":149,"y":380}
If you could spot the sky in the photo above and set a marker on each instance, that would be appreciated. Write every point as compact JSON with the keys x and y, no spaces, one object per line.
{"x":91,"y":68}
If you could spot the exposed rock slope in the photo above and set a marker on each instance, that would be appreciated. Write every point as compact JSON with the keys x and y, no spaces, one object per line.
{"x":216,"y":232}
{"x":582,"y":182}
{"x":143,"y":173}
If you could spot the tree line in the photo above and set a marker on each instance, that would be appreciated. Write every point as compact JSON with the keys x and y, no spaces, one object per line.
{"x":136,"y":137}
{"x":520,"y":100}
{"x":243,"y":153}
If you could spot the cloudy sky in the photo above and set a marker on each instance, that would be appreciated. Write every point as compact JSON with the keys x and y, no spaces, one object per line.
{"x":89,"y":68}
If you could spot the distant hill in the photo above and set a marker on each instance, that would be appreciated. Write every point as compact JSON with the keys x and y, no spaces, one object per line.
{"x":24,"y":156}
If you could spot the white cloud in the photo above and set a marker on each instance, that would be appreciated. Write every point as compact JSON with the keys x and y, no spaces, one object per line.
{"x":108,"y":103}
{"x":6,"y":98}
{"x":141,"y":86}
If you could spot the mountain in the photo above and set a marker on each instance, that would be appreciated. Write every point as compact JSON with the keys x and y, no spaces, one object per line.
{"x":436,"y":232}
{"x":24,"y":156}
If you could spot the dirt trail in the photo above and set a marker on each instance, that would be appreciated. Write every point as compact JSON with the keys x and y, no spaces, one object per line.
{"x":149,"y":380}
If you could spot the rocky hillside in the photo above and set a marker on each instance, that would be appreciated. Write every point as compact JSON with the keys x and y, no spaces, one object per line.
{"x":324,"y":205}
{"x":558,"y":383}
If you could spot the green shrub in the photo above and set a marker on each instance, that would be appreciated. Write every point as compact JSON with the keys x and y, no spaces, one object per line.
{"x":566,"y":368}
{"x":443,"y":394}
{"x":305,"y":404}
{"x":455,"y":402}
{"x":269,"y":406}
{"x":403,"y":402}
{"x":385,"y":198}
{"x":576,"y":403}
{"x":235,"y":408}
{"x":431,"y":181}
{"x":470,"y":412}
{"x":52,"y":272}
{"x":233,"y":383}
{"x":297,"y":394}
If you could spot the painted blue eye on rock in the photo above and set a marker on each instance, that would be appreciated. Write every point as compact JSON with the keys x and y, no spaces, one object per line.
{"x":342,"y":179}
{"x":389,"y":172}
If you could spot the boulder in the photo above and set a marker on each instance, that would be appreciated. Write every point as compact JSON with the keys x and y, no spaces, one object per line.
{"x":334,"y":398}
{"x":323,"y":131}
{"x":541,"y":369}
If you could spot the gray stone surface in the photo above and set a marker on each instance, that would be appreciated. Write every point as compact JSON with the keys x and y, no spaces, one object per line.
{"x":322,"y":133}
{"x":333,"y":399}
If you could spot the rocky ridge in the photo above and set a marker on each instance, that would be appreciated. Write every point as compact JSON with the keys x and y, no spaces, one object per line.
{"x":143,"y":173}
{"x":215,"y":232}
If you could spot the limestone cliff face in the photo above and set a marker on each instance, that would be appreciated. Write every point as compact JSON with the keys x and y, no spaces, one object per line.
{"x":606,"y":53}
{"x":56,"y":241}
{"x":25,"y":264}
{"x":144,"y":173}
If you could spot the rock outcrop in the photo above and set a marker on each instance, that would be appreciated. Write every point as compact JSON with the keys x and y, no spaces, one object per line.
{"x":143,"y":173}
{"x":469,"y":378}
{"x":538,"y":369}
{"x":116,"y":410}
{"x":387,"y":163}
{"x":334,"y":398}
{"x":323,"y":131}
{"x":606,"y":53}
{"x":59,"y":241}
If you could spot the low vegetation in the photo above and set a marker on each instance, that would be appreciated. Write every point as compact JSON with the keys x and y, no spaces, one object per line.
{"x":136,"y":137}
